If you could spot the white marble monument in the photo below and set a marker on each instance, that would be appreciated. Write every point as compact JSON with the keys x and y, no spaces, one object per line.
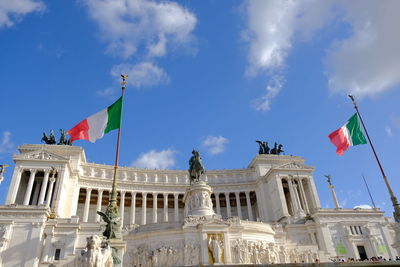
{"x":268,"y":212}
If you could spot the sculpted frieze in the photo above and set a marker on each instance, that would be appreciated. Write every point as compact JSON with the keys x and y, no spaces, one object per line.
{"x":171,"y":254}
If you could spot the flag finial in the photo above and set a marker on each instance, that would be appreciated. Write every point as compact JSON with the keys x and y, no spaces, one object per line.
{"x":124,"y":76}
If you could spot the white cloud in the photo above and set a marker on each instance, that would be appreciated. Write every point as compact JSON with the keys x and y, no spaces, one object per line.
{"x":365,"y":62}
{"x":272,"y":90}
{"x":363,"y":207}
{"x":106,"y":92}
{"x":12,"y":11}
{"x":215,"y":144}
{"x":131,"y":25}
{"x":388,"y":131}
{"x":6,"y":145}
{"x":142,"y":74}
{"x":153,"y":159}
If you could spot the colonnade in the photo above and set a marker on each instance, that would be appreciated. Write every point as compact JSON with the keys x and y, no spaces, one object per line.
{"x":39,"y":194}
{"x":164,"y":201}
{"x":298,"y":196}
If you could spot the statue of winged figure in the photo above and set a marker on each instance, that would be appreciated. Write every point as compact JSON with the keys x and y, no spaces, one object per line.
{"x":112,"y":219}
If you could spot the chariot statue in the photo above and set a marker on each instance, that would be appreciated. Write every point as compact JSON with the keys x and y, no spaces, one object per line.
{"x":277,"y":150}
{"x":63,"y":138}
{"x":49,"y":140}
{"x":196,"y":168}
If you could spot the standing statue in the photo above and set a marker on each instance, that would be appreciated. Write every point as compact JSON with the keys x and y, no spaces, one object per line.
{"x":2,"y":171}
{"x":49,"y":140}
{"x":328,"y":177}
{"x":196,"y":168}
{"x":216,"y":248}
{"x":264,"y":149}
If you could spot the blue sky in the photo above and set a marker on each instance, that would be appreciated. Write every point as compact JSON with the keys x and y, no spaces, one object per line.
{"x":210,"y":75}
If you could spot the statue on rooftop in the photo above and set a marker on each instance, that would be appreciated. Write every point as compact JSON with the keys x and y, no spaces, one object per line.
{"x":196,"y":168}
{"x":63,"y":138}
{"x":264,"y":149}
{"x":49,"y":140}
{"x":277,"y":150}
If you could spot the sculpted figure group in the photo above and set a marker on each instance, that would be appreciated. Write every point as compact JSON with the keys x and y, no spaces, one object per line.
{"x":199,"y":200}
{"x":259,"y":252}
{"x":51,"y":139}
{"x":265,"y":149}
{"x":166,"y":255}
{"x":96,"y":254}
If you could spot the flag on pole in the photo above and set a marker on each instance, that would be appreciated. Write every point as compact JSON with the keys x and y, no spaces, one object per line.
{"x":348,"y":135}
{"x":95,"y":126}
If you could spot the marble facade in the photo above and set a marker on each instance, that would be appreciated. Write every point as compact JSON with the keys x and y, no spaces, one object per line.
{"x":266,"y":213}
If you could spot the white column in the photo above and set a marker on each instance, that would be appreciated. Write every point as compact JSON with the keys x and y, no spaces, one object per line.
{"x":99,"y":202}
{"x":122,"y":207}
{"x":176,"y":207}
{"x":144,"y":200}
{"x":44,"y":186}
{"x":29,"y":187}
{"x":155,"y":207}
{"x":249,"y":209}
{"x":50,"y":191}
{"x":133,"y":207}
{"x":238,"y":207}
{"x":296,"y":193}
{"x":334,"y":197}
{"x":87,"y":205}
{"x":292,"y":195}
{"x":14,"y":186}
{"x":228,"y":205}
{"x":165,"y":207}
{"x":217,"y":203}
{"x":303,"y":193}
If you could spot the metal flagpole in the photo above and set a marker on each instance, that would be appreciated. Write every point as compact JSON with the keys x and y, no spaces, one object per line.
{"x":369,"y":192}
{"x":113,"y":199}
{"x":111,"y":215}
{"x":396,"y":206}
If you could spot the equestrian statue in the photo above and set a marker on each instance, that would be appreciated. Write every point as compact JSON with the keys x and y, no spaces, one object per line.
{"x":196,"y":168}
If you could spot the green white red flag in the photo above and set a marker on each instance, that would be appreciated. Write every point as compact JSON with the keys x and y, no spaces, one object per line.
{"x":95,"y":126}
{"x":348,"y":135}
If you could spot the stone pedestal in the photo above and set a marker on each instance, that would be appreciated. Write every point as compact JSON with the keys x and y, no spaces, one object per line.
{"x":120,"y":247}
{"x":396,"y":244}
{"x":198,"y":200}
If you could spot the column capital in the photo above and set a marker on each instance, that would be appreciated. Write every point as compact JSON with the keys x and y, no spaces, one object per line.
{"x":165,"y":194}
{"x":144,"y":194}
{"x":133,"y":193}
{"x":247,"y":192}
{"x":155,"y":194}
{"x":33,"y":171}
{"x":100,"y":190}
{"x":226,"y":194}
{"x":122,"y":192}
{"x":176,"y":195}
{"x":88,"y":189}
{"x":47,"y":171}
{"x":237,"y":193}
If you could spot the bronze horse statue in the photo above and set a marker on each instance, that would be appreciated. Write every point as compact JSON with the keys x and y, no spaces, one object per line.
{"x":196,"y":168}
{"x":277,"y":150}
{"x":49,"y":140}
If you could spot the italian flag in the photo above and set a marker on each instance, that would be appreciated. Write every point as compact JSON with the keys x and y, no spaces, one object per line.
{"x":349,"y":134}
{"x":97,"y":125}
